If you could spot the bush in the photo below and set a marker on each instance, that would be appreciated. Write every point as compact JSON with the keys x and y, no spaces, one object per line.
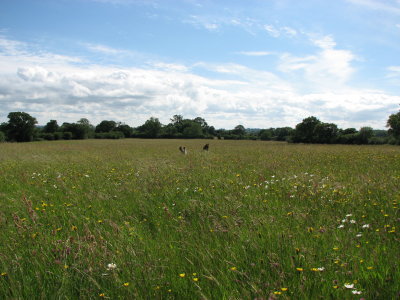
{"x":58,"y":135}
{"x":47,"y":136}
{"x":67,"y":135}
{"x":2,"y":137}
{"x":109,"y":135}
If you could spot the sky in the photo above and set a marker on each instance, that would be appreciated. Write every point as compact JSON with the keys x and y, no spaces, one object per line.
{"x":257,"y":63}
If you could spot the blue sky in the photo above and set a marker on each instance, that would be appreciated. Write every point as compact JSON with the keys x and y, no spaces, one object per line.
{"x":259,"y":63}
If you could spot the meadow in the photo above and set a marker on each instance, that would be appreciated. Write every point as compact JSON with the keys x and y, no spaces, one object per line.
{"x":135,"y":219}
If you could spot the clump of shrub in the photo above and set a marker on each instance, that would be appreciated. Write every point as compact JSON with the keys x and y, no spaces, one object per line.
{"x":114,"y":135}
{"x":2,"y":137}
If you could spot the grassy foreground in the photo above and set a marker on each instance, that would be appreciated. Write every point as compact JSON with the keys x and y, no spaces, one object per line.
{"x":135,"y":219}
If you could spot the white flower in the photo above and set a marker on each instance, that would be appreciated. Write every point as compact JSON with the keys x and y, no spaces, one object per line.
{"x":352,"y":221}
{"x":348,"y":286}
{"x":111,"y":266}
{"x":356,"y":292}
{"x":365,"y":226}
{"x":359,"y":235}
{"x":341,"y":226}
{"x":321,"y":269}
{"x":349,"y":215}
{"x":344,"y":220}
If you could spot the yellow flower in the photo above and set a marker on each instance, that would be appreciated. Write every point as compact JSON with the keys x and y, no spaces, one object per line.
{"x":335,"y":248}
{"x":233,"y":269}
{"x":284,"y":289}
{"x":102,"y":295}
{"x":277,"y":293}
{"x":74,"y":228}
{"x":3,"y":274}
{"x":335,"y":286}
{"x":195,"y":279}
{"x":66,"y":266}
{"x":126,"y":284}
{"x":300,"y":269}
{"x":181,"y":275}
{"x":370,"y":268}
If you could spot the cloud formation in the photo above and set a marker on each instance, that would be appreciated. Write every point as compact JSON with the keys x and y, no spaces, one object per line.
{"x":52,"y":86}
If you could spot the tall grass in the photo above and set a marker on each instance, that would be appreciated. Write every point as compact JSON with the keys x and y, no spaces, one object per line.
{"x":135,"y":219}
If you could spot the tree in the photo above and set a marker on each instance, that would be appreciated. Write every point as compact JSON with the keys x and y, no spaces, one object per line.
{"x":151,"y":128}
{"x":20,"y":127}
{"x":325,"y":133}
{"x":2,"y":136}
{"x":106,"y":126}
{"x":239,"y":130}
{"x":304,"y":132}
{"x":125,"y":129}
{"x":51,"y":127}
{"x":194,"y":130}
{"x":364,"y":135}
{"x":394,"y":125}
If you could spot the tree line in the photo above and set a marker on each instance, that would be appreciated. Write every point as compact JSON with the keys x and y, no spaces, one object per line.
{"x":22,"y":127}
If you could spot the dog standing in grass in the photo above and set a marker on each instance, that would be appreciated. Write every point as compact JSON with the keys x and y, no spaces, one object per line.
{"x":183,"y":150}
{"x":205,"y":148}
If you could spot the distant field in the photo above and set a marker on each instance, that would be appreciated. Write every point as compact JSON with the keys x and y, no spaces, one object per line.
{"x":135,"y":219}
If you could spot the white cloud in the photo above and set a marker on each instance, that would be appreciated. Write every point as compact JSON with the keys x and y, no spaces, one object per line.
{"x":329,"y":68}
{"x":50,"y":86}
{"x":274,"y":32}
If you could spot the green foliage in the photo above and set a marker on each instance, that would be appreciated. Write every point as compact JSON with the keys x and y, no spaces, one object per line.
{"x":304,"y":132}
{"x":150,"y":129}
{"x":394,"y":125}
{"x":109,"y":135}
{"x":20,"y":127}
{"x":106,"y":126}
{"x":2,"y":137}
{"x":51,"y":127}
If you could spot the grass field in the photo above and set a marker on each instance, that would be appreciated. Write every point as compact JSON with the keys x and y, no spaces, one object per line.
{"x":135,"y":219}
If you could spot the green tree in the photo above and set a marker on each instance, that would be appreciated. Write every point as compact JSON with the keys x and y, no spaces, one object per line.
{"x":2,"y":136}
{"x":125,"y":129}
{"x":304,"y":132}
{"x":239,"y":130}
{"x":106,"y":126}
{"x":20,"y":127}
{"x":194,"y":130}
{"x":394,"y":125}
{"x":325,"y":133}
{"x":51,"y":127}
{"x":151,"y":128}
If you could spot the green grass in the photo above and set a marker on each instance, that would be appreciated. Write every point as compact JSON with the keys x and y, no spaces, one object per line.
{"x":245,"y":220}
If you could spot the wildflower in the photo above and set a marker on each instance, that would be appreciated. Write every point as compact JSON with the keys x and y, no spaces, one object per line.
{"x":126,"y":284}
{"x":233,"y":269}
{"x":300,"y":269}
{"x":277,"y":293}
{"x":74,"y":228}
{"x":356,"y":292}
{"x":349,"y":215}
{"x":341,"y":226}
{"x":335,"y":248}
{"x":359,"y":235}
{"x":284,"y":289}
{"x":321,"y":269}
{"x":349,"y":286}
{"x":195,"y":279}
{"x":102,"y":295}
{"x":353,"y":221}
{"x":66,"y":266}
{"x":365,"y":226}
{"x":111,"y":266}
{"x":370,"y":268}
{"x":181,"y":275}
{"x":3,"y":274}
